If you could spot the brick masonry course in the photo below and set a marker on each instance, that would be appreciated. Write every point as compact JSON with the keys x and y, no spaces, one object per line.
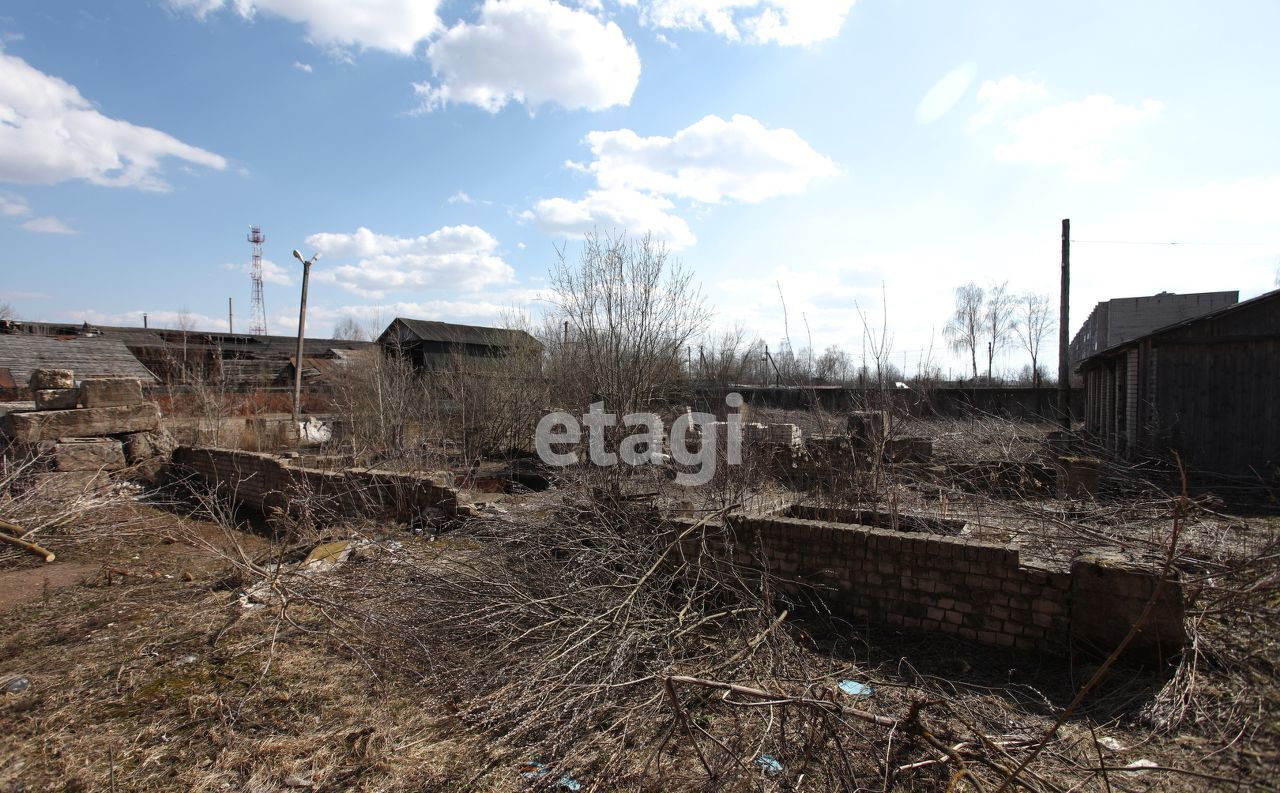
{"x":968,"y":588}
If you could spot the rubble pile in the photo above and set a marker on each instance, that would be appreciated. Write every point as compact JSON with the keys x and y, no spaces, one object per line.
{"x":79,"y":435}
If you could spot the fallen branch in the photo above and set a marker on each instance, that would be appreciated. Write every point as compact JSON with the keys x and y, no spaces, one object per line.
{"x":30,"y":547}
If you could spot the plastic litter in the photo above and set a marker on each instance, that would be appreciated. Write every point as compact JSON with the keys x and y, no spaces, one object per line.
{"x":16,"y":685}
{"x":769,"y":763}
{"x":855,"y":689}
{"x":533,"y":770}
{"x":187,"y":659}
{"x":1144,"y":763}
{"x":1110,"y":744}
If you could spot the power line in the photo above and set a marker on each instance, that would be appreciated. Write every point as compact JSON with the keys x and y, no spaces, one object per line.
{"x":1173,"y":242}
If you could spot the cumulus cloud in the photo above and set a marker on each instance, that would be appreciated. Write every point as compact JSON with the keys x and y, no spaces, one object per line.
{"x":48,"y":225}
{"x":13,"y":205}
{"x":391,"y":25}
{"x":995,"y":96}
{"x":1075,"y":135}
{"x":612,"y":210}
{"x":786,"y":22}
{"x":272,"y":273}
{"x":50,"y":133}
{"x":709,"y":161}
{"x":461,"y":197}
{"x":531,"y":51}
{"x":453,"y":257}
{"x":302,"y":67}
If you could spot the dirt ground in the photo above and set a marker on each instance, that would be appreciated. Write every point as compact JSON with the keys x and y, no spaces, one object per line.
{"x":146,"y":674}
{"x":148,"y":670}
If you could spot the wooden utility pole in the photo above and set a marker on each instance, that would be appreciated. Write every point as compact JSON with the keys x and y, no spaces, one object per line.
{"x":1064,"y":330}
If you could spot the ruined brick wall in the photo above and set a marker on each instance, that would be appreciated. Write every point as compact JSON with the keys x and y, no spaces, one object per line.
{"x":266,"y":482}
{"x":975,"y":590}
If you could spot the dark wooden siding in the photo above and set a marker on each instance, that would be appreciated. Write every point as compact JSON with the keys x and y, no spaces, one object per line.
{"x":1217,"y":404}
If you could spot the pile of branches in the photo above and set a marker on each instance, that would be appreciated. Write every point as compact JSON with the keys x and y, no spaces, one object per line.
{"x":605,"y":644}
{"x":41,"y":517}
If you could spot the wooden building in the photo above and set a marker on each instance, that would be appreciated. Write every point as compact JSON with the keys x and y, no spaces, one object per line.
{"x":438,"y":346}
{"x":1206,"y":387}
{"x":85,"y":356}
{"x":237,"y":361}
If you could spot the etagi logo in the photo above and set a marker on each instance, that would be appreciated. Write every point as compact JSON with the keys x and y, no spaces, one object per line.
{"x":645,"y":447}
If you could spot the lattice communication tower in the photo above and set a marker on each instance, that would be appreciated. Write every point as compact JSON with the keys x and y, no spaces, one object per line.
{"x":257,"y":310}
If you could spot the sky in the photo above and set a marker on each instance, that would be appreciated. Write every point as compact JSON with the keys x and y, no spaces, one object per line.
{"x":849,"y":159}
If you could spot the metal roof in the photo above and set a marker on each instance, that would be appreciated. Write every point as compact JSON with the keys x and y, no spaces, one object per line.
{"x":93,"y":356}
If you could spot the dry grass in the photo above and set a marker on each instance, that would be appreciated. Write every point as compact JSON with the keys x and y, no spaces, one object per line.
{"x":548,"y":634}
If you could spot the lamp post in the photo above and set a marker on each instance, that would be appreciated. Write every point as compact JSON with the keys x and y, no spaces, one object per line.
{"x":302,"y":329}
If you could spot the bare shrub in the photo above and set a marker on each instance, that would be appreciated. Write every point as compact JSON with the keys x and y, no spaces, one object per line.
{"x":384,"y":409}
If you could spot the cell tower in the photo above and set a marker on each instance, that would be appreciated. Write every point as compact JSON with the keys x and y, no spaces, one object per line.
{"x":257,"y":311}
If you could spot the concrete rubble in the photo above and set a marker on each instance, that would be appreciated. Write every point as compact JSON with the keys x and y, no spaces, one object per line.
{"x":79,"y":434}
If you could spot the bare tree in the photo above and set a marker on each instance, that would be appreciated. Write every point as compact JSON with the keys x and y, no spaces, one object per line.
{"x":998,"y":320}
{"x":965,"y":326}
{"x":349,"y":329}
{"x":6,"y":310}
{"x":385,"y":408}
{"x":631,"y":311}
{"x":832,"y":366}
{"x":186,"y":323}
{"x":1033,"y":323}
{"x":727,"y":357}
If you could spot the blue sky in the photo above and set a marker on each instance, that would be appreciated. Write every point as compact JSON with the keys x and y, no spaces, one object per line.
{"x":435,"y":154}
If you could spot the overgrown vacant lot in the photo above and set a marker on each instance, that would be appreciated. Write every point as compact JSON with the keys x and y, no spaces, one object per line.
{"x":567,"y":640}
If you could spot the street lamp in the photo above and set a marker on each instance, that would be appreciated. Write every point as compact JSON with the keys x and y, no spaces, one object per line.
{"x":302,"y":328}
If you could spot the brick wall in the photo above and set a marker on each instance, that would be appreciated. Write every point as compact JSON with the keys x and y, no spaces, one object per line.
{"x":266,"y":482}
{"x":975,"y":590}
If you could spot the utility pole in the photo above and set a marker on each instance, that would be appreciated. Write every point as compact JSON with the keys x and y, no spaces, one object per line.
{"x":231,"y":326}
{"x":144,"y":320}
{"x":302,"y":329}
{"x":1064,"y":330}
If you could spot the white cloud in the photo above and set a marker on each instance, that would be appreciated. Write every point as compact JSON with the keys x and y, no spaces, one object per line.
{"x":272,"y":273}
{"x":709,"y":161}
{"x":1074,"y":135}
{"x":48,"y":225}
{"x":995,"y":96}
{"x":945,"y":93}
{"x":302,"y":67}
{"x":609,"y":211}
{"x":50,"y":133}
{"x":531,"y":51}
{"x":788,"y":22}
{"x":454,"y":257}
{"x":12,"y":205}
{"x":461,"y":198}
{"x":391,"y":25}
{"x":172,"y":320}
